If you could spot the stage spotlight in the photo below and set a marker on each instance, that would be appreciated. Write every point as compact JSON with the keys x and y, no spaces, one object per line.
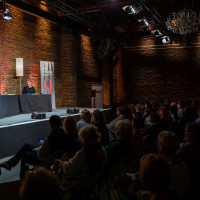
{"x":166,"y":40}
{"x":133,"y":9}
{"x":158,"y":32}
{"x":146,"y":22}
{"x":6,"y":14}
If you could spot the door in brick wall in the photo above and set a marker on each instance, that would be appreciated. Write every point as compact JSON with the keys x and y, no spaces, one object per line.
{"x":47,"y":80}
{"x":97,"y":96}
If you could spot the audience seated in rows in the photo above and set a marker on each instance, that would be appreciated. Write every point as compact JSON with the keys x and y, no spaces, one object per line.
{"x":54,"y":146}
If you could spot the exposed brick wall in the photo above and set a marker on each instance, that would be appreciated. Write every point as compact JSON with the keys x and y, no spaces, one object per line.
{"x":35,"y":39}
{"x":156,"y":72}
{"x":88,"y":70}
{"x":69,"y":68}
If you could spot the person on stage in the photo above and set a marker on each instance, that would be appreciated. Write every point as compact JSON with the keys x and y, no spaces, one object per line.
{"x":29,"y":89}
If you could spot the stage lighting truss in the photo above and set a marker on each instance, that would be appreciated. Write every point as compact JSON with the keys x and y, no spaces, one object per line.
{"x":5,"y":11}
{"x":152,"y":18}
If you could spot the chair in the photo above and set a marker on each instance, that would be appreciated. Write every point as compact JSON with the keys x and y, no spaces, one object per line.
{"x":117,"y":177}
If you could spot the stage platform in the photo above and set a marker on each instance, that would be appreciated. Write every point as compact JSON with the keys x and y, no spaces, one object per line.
{"x":19,"y":129}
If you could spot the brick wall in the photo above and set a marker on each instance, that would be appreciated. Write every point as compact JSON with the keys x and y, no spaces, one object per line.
{"x":35,"y":39}
{"x":152,"y":72}
{"x":89,"y":70}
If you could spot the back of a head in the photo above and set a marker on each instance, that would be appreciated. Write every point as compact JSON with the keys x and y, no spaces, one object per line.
{"x":168,"y":143}
{"x":98,"y":116}
{"x":138,"y":107}
{"x":40,"y":184}
{"x":128,"y":113}
{"x":154,"y":117}
{"x":94,"y":154}
{"x":154,"y":172}
{"x":120,"y":109}
{"x":69,"y":126}
{"x":86,"y":115}
{"x":124,"y":129}
{"x":193,"y":130}
{"x":89,"y":135}
{"x":55,"y":121}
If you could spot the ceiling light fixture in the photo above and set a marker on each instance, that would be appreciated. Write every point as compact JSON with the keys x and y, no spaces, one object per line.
{"x":5,"y":11}
{"x":134,"y":9}
{"x":6,"y":14}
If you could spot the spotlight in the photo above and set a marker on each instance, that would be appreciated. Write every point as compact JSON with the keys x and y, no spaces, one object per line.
{"x":158,"y":32}
{"x":133,"y":9}
{"x":146,"y":22}
{"x":5,"y":11}
{"x":166,"y":40}
{"x":6,"y":14}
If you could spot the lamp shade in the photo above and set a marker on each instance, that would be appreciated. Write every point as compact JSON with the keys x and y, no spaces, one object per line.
{"x":19,"y":67}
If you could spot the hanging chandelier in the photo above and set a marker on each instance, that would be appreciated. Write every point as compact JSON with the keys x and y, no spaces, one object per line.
{"x":183,"y":22}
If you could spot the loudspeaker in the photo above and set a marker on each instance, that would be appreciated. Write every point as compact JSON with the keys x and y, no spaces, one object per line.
{"x":41,"y":116}
{"x":36,"y":115}
{"x":72,"y":110}
{"x":93,"y":93}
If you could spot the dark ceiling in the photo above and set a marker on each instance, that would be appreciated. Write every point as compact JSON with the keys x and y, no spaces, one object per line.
{"x":104,"y":16}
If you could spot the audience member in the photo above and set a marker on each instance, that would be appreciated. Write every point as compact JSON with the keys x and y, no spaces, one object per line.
{"x":116,"y":150}
{"x":98,"y":121}
{"x":85,"y":118}
{"x":40,"y":184}
{"x":154,"y":179}
{"x":73,"y":143}
{"x":190,"y":153}
{"x":151,"y":133}
{"x":138,"y":109}
{"x":168,"y":144}
{"x":111,"y":125}
{"x":147,"y":109}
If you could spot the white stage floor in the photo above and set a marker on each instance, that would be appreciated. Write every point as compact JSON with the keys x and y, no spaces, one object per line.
{"x":26,"y":118}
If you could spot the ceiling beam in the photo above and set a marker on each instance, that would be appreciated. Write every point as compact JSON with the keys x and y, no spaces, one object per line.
{"x":33,"y":10}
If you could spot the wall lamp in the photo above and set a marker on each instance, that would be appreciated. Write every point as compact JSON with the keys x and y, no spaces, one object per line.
{"x":20,"y":71}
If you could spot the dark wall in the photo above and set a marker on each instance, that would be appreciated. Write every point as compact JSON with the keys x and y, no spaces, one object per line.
{"x":152,"y":72}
